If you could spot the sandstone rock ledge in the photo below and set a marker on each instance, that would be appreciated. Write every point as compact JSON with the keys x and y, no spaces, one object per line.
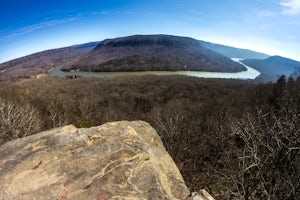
{"x":117,"y":160}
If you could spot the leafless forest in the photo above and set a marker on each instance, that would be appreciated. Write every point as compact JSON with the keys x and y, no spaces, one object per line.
{"x":237,"y":139}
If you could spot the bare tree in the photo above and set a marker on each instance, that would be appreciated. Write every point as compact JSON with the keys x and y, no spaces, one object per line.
{"x":55,"y":113}
{"x":267,"y":167}
{"x":17,"y":121}
{"x":169,"y":123}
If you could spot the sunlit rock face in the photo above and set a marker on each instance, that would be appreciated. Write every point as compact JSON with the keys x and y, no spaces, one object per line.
{"x":118,"y":160}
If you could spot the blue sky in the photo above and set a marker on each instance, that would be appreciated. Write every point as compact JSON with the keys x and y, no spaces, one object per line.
{"x":269,"y":26}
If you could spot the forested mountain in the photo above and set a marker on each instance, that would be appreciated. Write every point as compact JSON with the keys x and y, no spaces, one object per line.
{"x":232,"y":52}
{"x":273,"y":67}
{"x":154,"y":52}
{"x":41,"y":62}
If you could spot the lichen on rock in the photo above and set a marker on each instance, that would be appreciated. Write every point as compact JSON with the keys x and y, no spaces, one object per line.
{"x":117,"y":160}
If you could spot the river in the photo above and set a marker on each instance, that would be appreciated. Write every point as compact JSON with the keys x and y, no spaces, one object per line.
{"x":250,"y":73}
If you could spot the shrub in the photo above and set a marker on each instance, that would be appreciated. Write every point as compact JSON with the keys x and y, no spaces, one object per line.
{"x":17,"y":121}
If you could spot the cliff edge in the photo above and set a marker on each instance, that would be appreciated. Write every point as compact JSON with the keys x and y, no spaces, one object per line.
{"x":117,"y":160}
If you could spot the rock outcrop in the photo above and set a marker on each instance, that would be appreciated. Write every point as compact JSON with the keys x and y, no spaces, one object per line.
{"x":118,"y":160}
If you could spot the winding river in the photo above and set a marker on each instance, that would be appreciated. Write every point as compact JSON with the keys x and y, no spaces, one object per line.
{"x":250,"y":73}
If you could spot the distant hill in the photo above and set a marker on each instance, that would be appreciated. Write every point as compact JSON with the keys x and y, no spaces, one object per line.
{"x":41,"y":62}
{"x":86,"y":47}
{"x":232,"y":52}
{"x":272,"y":67}
{"x":153,"y":52}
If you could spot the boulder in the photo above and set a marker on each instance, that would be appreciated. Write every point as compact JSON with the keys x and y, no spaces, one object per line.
{"x":117,"y":160}
{"x":201,"y":195}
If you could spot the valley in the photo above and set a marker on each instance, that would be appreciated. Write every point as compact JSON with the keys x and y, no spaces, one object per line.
{"x":216,"y":115}
{"x":160,"y":99}
{"x":150,"y":54}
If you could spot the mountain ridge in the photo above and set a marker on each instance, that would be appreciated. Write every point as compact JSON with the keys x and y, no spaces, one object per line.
{"x":153,"y":52}
{"x":42,"y":62}
{"x":273,"y":67}
{"x":233,"y":52}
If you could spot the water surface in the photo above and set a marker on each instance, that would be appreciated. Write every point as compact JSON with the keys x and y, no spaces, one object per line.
{"x":250,"y":73}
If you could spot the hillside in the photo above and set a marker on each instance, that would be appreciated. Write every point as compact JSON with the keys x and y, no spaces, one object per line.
{"x":147,"y":52}
{"x":153,"y":52}
{"x":232,"y":52}
{"x":41,"y":62}
{"x":274,"y":66}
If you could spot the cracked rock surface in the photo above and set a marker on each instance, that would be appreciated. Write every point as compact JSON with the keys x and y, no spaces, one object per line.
{"x":117,"y":160}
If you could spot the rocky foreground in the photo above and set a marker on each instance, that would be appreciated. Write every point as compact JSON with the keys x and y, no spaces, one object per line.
{"x":118,"y":160}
